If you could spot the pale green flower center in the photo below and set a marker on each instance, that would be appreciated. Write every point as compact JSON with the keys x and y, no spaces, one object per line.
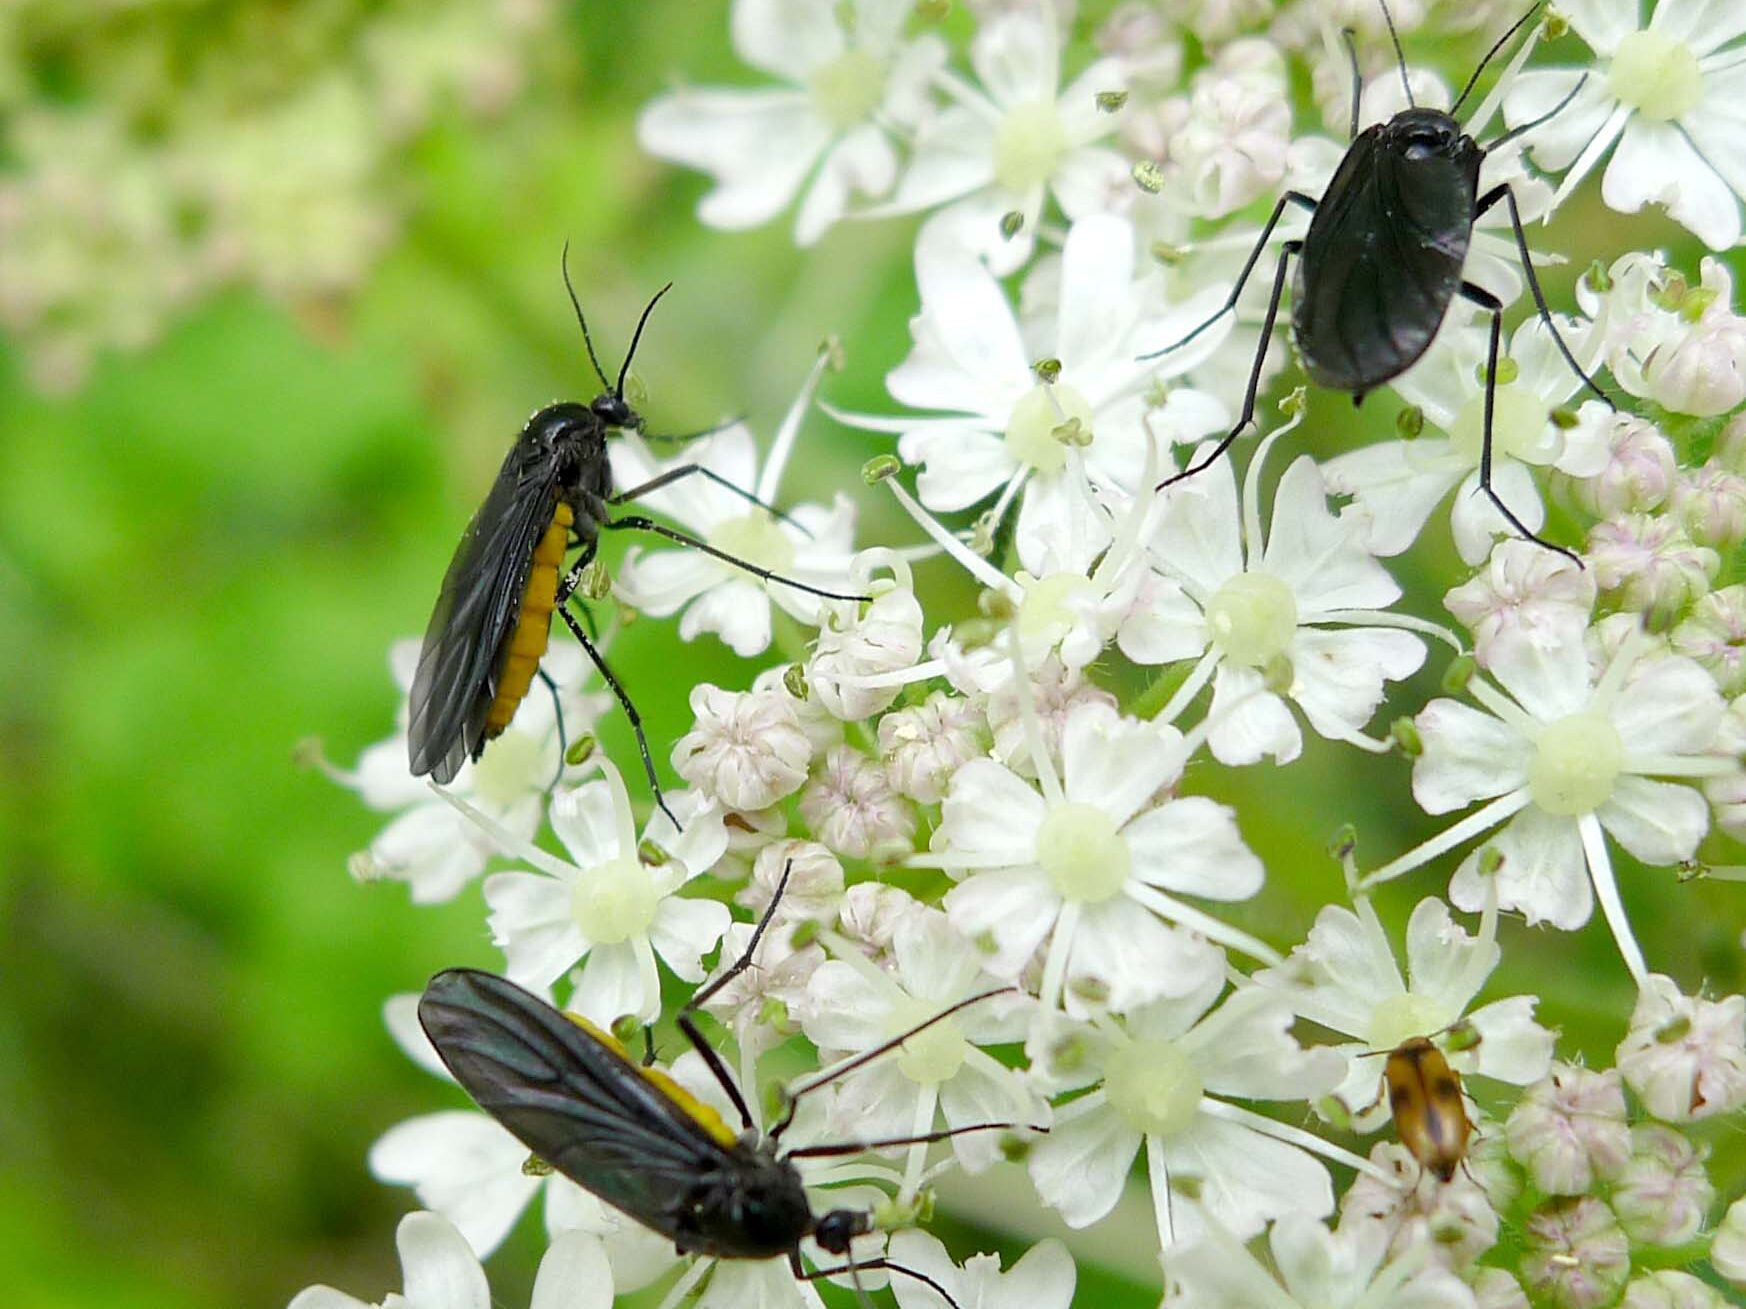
{"x":1044,"y":609}
{"x":505,"y":770}
{"x":928,"y":1057}
{"x":1576,"y":761}
{"x":1084,"y":855}
{"x":1044,"y":420}
{"x":1656,"y":75}
{"x":1518,"y":420}
{"x":615,"y":901}
{"x":1402,"y":1017}
{"x":1252,"y":618}
{"x":847,"y":90}
{"x":1154,"y":1086}
{"x":1028,"y":145}
{"x":756,"y":538}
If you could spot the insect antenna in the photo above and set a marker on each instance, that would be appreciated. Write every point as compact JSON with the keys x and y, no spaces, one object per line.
{"x":1521,"y":129}
{"x":564,"y":262}
{"x":854,"y":1269}
{"x":868,"y":1056}
{"x":636,"y":337}
{"x":1347,"y":35}
{"x":1497,"y":46}
{"x":1399,"y":54}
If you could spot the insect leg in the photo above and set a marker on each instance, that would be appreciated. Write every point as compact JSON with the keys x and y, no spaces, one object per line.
{"x":558,"y":713}
{"x":686,"y":470}
{"x":638,"y":523}
{"x":679,"y":438}
{"x":624,"y":703}
{"x":926,"y":1138}
{"x":688,"y":1024}
{"x":1286,"y":251}
{"x":1492,"y":305}
{"x":870,"y":1265}
{"x":1289,"y":198}
{"x":1347,"y":35}
{"x":1502,"y":192}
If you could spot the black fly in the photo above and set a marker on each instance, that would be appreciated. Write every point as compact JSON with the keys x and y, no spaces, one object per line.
{"x":633,"y":1137}
{"x":1383,"y":256}
{"x":492,"y":618}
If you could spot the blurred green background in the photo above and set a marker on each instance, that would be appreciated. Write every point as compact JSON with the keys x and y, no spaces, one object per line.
{"x":207,"y":545}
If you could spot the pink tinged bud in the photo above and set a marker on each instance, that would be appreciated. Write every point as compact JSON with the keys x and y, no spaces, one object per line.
{"x":1649,"y":564}
{"x":851,"y":807}
{"x":871,"y":913}
{"x":1727,"y":797}
{"x":1684,"y":1057}
{"x":1524,"y":591}
{"x":1730,"y":451}
{"x":747,"y":749}
{"x":1639,"y":473}
{"x":1728,"y":1245}
{"x":1711,"y":503}
{"x":1569,"y":1129}
{"x":1493,"y":1288}
{"x":1664,"y":1193}
{"x":926,"y":743}
{"x":1576,"y":1255}
{"x":815,"y":881}
{"x":1704,"y":374}
{"x":1671,"y":1289}
{"x":1715,"y":636}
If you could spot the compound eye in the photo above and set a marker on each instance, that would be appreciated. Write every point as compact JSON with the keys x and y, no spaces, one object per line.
{"x":612,"y":410}
{"x":1424,"y":143}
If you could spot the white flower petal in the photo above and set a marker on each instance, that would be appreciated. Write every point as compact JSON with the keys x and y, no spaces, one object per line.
{"x":1016,"y":59}
{"x":1543,"y":873}
{"x":758,"y":145}
{"x":1440,"y":957}
{"x":1124,"y":954}
{"x":1602,"y":23}
{"x":1115,"y":763}
{"x":1701,"y":24}
{"x":532,"y":921}
{"x":1669,"y":706}
{"x":574,"y":1274}
{"x":1080,"y":1166}
{"x":1655,"y":162}
{"x":1198,"y":539}
{"x":1467,"y":756}
{"x":464,"y":1166}
{"x":1351,"y":970}
{"x":1192,"y":846}
{"x":1395,"y":487}
{"x":611,"y":987}
{"x":1249,"y":723}
{"x":1246,"y":1179}
{"x":441,"y":1271}
{"x":959,"y":468}
{"x":1017,"y":907}
{"x":1557,"y":142}
{"x":1659,"y":822}
{"x":989,"y":813}
{"x":737,"y":611}
{"x":1338,"y":674}
{"x":1512,"y":1046}
{"x":1317,"y":555}
{"x":685,"y":930}
{"x":843,"y":1009}
{"x":585,"y":822}
{"x":1163,"y":626}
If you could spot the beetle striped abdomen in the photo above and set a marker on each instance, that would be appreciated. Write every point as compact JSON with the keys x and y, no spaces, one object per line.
{"x":526,"y":643}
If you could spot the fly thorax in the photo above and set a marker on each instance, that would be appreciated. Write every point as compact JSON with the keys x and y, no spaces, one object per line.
{"x":1154,"y":1086}
{"x":1401,"y":1017}
{"x":1028,"y":145}
{"x":1252,"y":619}
{"x":1082,"y":851}
{"x":511,"y":766}
{"x":615,"y":901}
{"x":1655,"y":75}
{"x":1518,"y":425}
{"x":847,"y":89}
{"x":755,"y":538}
{"x":929,"y":1057}
{"x":1045,"y":421}
{"x":1047,"y":606}
{"x":1576,"y":761}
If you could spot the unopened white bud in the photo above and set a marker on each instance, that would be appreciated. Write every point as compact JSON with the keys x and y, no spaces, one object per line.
{"x":1711,"y":503}
{"x":747,"y":748}
{"x":1640,"y":468}
{"x":1663,"y":1194}
{"x":1668,"y":1288}
{"x":815,"y":881}
{"x":1524,"y":592}
{"x":1728,"y":1245}
{"x":1569,"y":1129}
{"x":1685,"y":1057}
{"x":1650,"y":564}
{"x":1576,"y":1255}
{"x":853,"y":644}
{"x":1715,"y":636}
{"x":925,"y":744}
{"x":851,"y":807}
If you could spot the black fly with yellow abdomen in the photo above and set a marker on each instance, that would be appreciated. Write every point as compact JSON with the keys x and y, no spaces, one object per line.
{"x":633,"y":1137}
{"x":492,"y":619}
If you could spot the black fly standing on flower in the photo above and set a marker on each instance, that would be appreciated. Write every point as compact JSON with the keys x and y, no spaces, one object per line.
{"x":1383,"y":257}
{"x":492,"y":619}
{"x":635,"y":1138}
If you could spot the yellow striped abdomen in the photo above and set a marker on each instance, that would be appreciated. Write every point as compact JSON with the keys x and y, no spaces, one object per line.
{"x":533,"y":625}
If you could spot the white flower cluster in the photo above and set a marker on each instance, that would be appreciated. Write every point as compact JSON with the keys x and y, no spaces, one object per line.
{"x":982,"y":809}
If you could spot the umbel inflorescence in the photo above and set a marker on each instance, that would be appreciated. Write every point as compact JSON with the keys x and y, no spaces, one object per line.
{"x":982,"y":804}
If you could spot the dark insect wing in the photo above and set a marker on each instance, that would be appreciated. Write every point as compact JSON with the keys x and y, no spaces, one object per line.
{"x":475,"y":611}
{"x":1381,"y":262}
{"x":573,"y":1100}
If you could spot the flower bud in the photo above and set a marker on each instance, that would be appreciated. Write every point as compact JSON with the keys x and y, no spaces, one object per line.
{"x":747,"y":749}
{"x":851,"y":807}
{"x":815,"y":881}
{"x":1650,"y":564}
{"x":1685,"y":1057}
{"x":1668,"y":1288}
{"x":925,"y":744}
{"x":1715,"y":636}
{"x":1493,"y":1288}
{"x":1728,"y":1245}
{"x":1664,"y":1193}
{"x":1640,"y":467}
{"x":1575,"y":1255}
{"x":1711,"y":503}
{"x":1058,"y":691}
{"x":1569,"y":1130}
{"x":853,"y":644}
{"x":1705,"y":373}
{"x":1524,"y":592}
